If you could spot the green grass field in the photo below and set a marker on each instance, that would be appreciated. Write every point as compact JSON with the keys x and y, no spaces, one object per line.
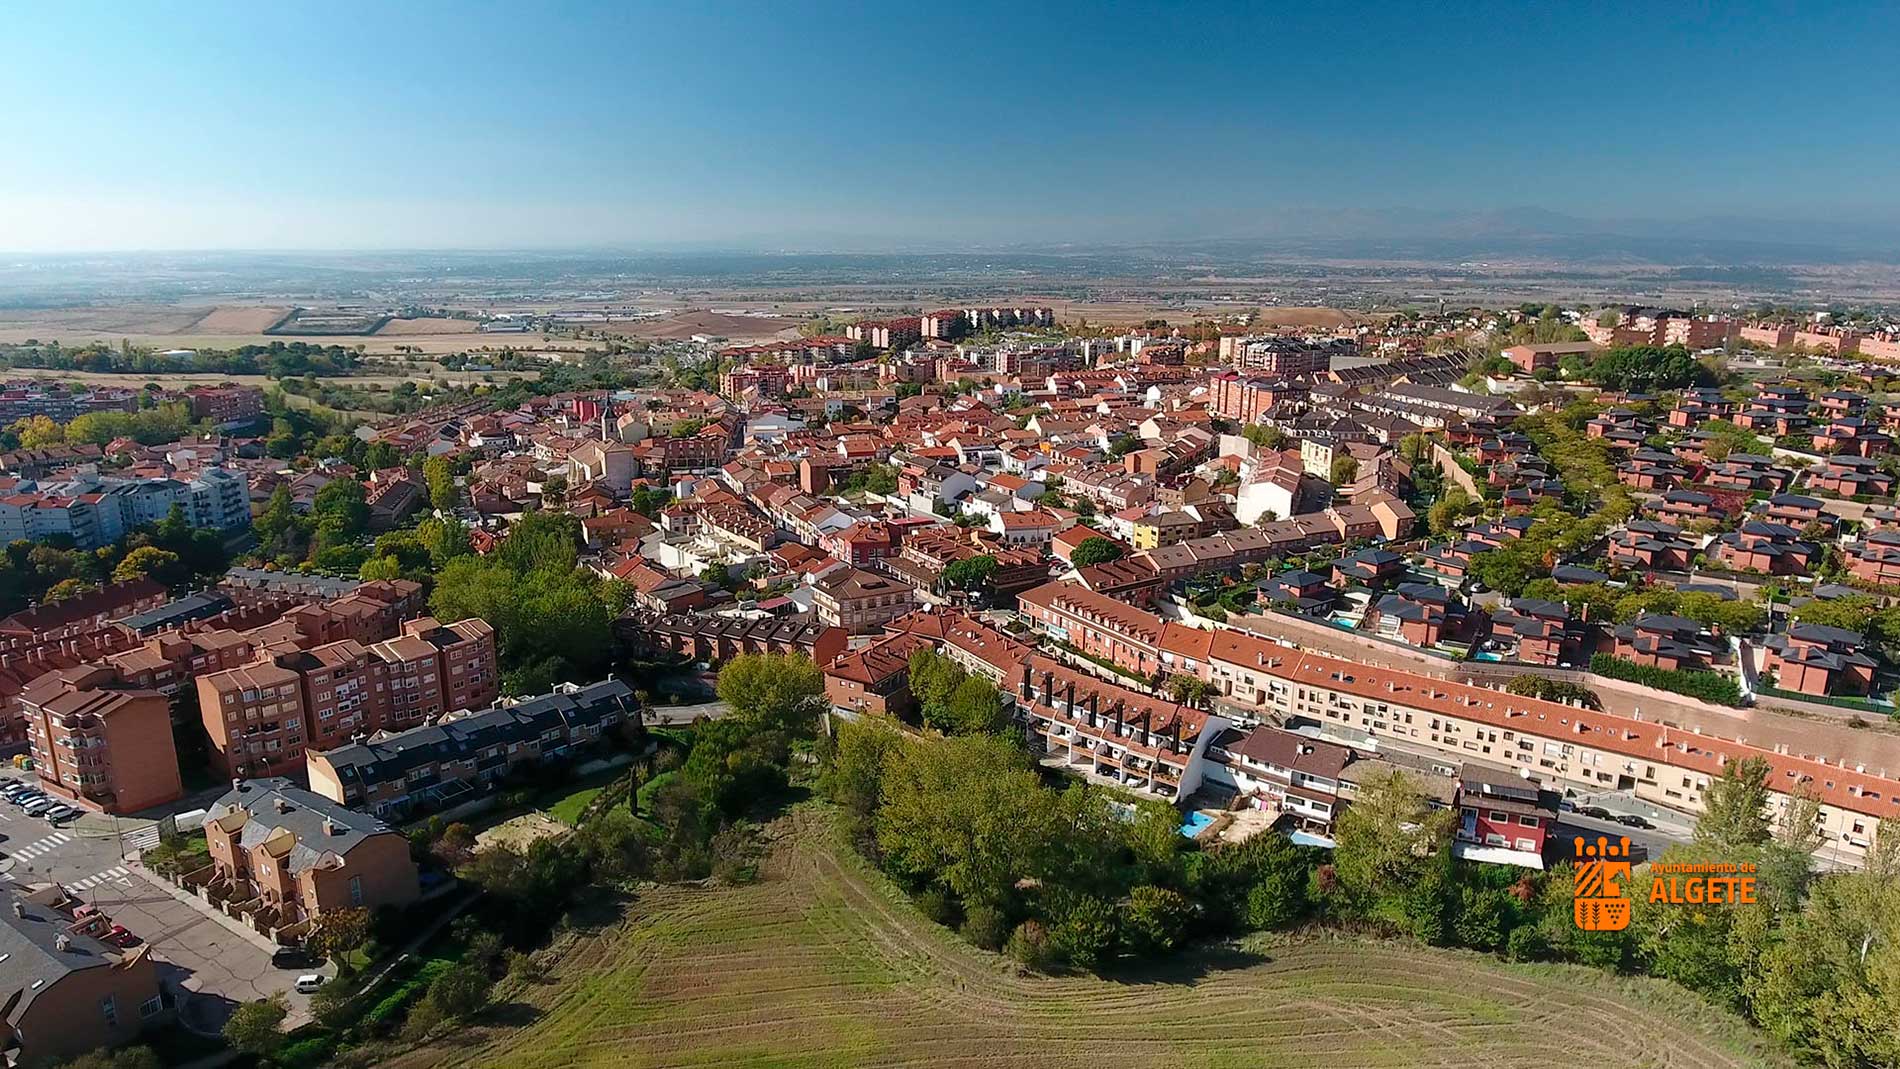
{"x":822,"y":963}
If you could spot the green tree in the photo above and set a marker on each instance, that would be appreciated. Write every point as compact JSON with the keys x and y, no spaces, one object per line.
{"x":966,"y":811}
{"x":970,"y":575}
{"x":1095,"y":550}
{"x":1345,"y":469}
{"x":1735,"y":806}
{"x":1388,"y":838}
{"x":444,"y":539}
{"x":339,"y":932}
{"x":974,"y":707}
{"x":162,"y":565}
{"x":256,"y":1027}
{"x":773,"y":691}
{"x":461,"y":990}
{"x":37,"y":432}
{"x":439,"y":473}
{"x":1156,"y":919}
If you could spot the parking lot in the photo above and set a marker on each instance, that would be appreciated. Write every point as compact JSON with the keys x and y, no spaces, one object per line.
{"x":198,"y":952}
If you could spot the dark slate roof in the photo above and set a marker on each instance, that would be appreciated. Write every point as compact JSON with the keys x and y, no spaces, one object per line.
{"x":30,"y":959}
{"x":181,"y":611}
{"x":388,"y":757}
{"x":320,"y":825}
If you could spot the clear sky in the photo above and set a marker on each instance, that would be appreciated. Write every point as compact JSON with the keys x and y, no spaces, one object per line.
{"x":414,"y":125}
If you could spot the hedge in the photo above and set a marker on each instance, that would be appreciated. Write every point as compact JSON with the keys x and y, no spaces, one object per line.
{"x":406,"y":992}
{"x":1708,"y":686}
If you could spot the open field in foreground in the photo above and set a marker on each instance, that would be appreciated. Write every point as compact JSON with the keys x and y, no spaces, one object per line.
{"x":822,"y":964}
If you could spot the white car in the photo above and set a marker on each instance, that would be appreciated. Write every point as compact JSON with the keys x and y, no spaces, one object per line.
{"x":309,"y":982}
{"x":38,"y":805}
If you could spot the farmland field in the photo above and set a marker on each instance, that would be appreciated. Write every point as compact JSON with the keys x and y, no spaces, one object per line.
{"x":821,"y":963}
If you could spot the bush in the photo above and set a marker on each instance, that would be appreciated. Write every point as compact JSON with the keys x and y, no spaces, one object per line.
{"x":937,"y":904}
{"x":1155,"y":919}
{"x":1525,"y":943}
{"x":1030,"y":946}
{"x":1084,"y":930}
{"x":1708,"y":686}
{"x":307,"y":1053}
{"x":985,"y":926}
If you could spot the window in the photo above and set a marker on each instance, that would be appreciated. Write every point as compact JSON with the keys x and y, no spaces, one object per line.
{"x":110,"y":1011}
{"x":356,"y":890}
{"x":1527,"y":822}
{"x":151,"y":1008}
{"x":1498,"y":817}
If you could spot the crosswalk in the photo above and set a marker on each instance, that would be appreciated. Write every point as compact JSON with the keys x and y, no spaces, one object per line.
{"x":118,"y":875}
{"x":39,"y":847}
{"x":142,"y":840}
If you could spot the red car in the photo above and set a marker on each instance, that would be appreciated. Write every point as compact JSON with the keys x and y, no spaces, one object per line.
{"x":121,"y":936}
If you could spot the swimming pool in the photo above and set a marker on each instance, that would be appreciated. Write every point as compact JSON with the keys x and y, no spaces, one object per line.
{"x":1196,"y":821}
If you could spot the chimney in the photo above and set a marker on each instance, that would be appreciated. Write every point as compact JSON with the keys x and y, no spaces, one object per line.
{"x":1025,"y":690}
{"x":1095,"y":708}
{"x":62,"y":942}
{"x":329,"y":827}
{"x":282,"y":805}
{"x":1048,"y":687}
{"x":19,"y":909}
{"x":1068,"y":701}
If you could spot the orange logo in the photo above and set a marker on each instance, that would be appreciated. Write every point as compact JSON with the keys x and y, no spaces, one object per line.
{"x":1600,"y":905}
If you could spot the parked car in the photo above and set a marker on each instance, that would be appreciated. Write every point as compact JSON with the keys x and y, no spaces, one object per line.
{"x":38,"y":805}
{"x":1630,"y":820}
{"x":309,"y":982}
{"x":17,"y":786}
{"x":1594,"y":812}
{"x":293,"y":958}
{"x":1566,"y":806}
{"x":23,"y":794}
{"x":121,"y":936}
{"x":60,"y":813}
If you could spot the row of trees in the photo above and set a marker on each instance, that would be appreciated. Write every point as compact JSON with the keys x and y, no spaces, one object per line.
{"x":1077,"y":877}
{"x":171,"y":551}
{"x":552,"y":617}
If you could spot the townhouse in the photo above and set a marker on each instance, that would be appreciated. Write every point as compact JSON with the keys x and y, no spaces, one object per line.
{"x":1087,"y":726}
{"x":1669,"y":642}
{"x":466,"y":755}
{"x":860,"y":602}
{"x":1876,"y":558}
{"x":1097,"y":625}
{"x":1502,"y":819}
{"x":714,"y":639}
{"x":1851,"y":476}
{"x":262,"y":717}
{"x":1280,"y":771}
{"x":1651,"y":546}
{"x":1764,"y":546}
{"x":875,"y":679}
{"x":282,"y":857}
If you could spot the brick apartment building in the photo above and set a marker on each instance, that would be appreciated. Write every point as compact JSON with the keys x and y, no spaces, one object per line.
{"x":97,"y":740}
{"x":264,"y":716}
{"x":227,"y":405}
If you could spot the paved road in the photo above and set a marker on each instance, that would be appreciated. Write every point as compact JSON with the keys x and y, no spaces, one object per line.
{"x":197,"y":953}
{"x":665,"y":715}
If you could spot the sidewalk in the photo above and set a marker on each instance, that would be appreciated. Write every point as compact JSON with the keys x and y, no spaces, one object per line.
{"x":231,"y":924}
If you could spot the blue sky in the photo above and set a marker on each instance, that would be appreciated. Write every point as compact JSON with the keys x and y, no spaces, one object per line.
{"x":413,"y":125}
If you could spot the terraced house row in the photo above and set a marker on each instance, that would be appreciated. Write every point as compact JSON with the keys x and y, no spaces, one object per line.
{"x":1556,"y":745}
